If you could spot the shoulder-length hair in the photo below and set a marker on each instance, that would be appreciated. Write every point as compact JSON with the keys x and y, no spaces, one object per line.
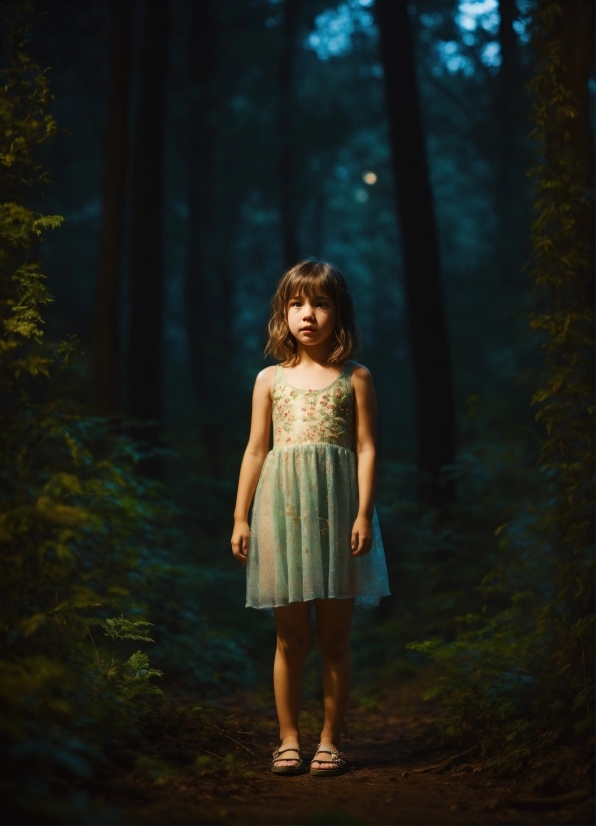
{"x":310,"y":278}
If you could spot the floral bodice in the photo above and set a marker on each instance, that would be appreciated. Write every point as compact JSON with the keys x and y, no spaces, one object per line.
{"x":313,"y":416}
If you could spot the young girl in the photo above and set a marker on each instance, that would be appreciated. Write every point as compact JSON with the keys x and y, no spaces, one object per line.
{"x":314,"y":535}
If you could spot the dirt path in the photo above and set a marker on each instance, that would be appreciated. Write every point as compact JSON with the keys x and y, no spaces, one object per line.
{"x":386,"y":750}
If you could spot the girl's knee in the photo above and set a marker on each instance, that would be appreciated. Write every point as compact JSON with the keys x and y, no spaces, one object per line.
{"x":293,"y":645}
{"x":335,"y":650}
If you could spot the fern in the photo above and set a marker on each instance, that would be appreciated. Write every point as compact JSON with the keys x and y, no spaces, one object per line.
{"x":132,"y":679}
{"x":119,"y":628}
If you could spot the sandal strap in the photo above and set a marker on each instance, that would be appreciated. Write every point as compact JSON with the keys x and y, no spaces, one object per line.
{"x":277,"y":753}
{"x":338,"y":758}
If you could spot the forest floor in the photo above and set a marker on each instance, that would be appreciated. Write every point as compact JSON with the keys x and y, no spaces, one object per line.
{"x":391,"y":746}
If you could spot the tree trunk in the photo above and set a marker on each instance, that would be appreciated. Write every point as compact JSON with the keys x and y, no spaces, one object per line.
{"x":146,"y":283}
{"x":287,"y":134}
{"x":510,"y":203}
{"x":105,"y":347}
{"x":205,"y":287}
{"x":433,"y":383}
{"x":576,"y":27}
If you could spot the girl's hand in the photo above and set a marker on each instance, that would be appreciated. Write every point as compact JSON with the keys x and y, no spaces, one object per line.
{"x":362,"y":536}
{"x":240,"y":537}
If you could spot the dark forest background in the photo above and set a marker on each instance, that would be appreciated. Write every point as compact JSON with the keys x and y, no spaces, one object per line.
{"x":162,"y":163}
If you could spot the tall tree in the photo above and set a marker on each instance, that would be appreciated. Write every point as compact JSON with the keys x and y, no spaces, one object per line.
{"x":146,"y":282}
{"x":287,"y":133}
{"x":509,"y":189}
{"x":575,"y":24}
{"x":564,"y":277}
{"x":433,"y":382}
{"x":206,"y":289}
{"x":105,"y":351}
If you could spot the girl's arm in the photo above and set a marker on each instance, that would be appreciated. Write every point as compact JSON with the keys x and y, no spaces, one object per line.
{"x":254,"y":456}
{"x":365,"y":403}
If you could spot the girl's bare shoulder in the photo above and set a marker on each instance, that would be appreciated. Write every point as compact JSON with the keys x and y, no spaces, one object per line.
{"x":264,"y":380}
{"x":361,"y":375}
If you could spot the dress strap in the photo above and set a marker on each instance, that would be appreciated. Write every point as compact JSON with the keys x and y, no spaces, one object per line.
{"x":349,"y":369}
{"x":344,"y":375}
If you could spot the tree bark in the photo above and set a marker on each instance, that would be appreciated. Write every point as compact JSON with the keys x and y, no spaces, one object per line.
{"x":510,"y":203}
{"x":105,"y":347}
{"x":433,"y":383}
{"x":576,"y":27}
{"x":577,"y":52}
{"x":206,"y":285}
{"x":146,"y":282}
{"x":287,"y":134}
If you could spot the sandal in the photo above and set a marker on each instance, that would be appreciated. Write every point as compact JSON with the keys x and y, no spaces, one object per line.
{"x":337,"y":759}
{"x":297,"y":769}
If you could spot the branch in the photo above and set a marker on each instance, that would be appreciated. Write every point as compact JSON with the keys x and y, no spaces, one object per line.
{"x":446,"y":764}
{"x":96,"y":654}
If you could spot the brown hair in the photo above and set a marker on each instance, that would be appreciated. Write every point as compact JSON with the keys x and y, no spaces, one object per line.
{"x":306,"y":279}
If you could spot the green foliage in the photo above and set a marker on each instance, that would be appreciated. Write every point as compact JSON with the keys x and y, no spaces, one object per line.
{"x":518,"y":676}
{"x":119,"y":628}
{"x":86,"y":541}
{"x":25,"y":126}
{"x":563,"y":272}
{"x":131,"y":679}
{"x":74,"y":514}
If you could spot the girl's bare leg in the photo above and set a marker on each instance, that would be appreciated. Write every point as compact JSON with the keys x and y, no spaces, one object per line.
{"x":293,"y":641}
{"x":334,"y":617}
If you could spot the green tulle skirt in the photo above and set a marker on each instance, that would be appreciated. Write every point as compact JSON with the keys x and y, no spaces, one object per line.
{"x":304,"y":509}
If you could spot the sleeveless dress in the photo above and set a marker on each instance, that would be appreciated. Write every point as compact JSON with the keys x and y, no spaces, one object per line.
{"x":306,"y":503}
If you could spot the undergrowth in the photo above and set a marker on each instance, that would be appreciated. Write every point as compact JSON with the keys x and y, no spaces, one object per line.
{"x":88,"y":544}
{"x":516,"y":674}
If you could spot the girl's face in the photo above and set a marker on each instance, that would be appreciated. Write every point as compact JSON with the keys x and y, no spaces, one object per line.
{"x":311,"y":319}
